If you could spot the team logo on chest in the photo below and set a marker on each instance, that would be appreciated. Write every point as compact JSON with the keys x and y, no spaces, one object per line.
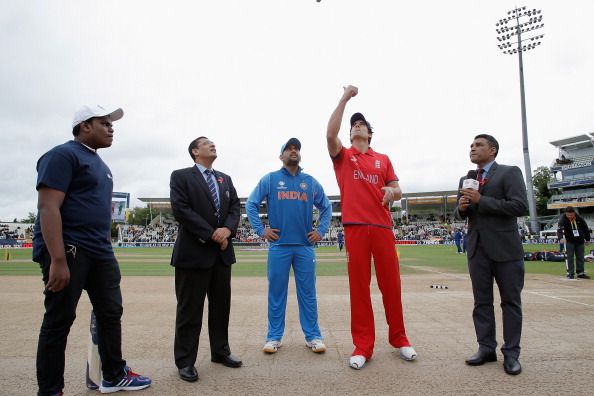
{"x":292,"y":195}
{"x":303,"y":185}
{"x":377,"y":164}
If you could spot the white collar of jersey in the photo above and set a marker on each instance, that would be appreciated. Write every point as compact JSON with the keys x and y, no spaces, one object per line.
{"x":92,"y":149}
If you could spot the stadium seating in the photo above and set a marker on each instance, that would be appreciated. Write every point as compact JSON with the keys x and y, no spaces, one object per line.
{"x":165,"y":230}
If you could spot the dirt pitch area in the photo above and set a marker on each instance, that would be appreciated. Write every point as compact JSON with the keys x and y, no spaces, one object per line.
{"x":557,"y":355}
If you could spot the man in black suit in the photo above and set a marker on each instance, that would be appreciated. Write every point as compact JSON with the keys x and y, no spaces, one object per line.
{"x":494,"y":251}
{"x":205,"y":204}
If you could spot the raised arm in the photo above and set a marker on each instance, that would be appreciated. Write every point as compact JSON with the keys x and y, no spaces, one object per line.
{"x":334,"y":143}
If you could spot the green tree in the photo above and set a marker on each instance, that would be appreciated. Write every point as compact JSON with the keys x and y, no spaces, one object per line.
{"x":114,"y":230}
{"x":139,"y":216}
{"x":31,"y":216}
{"x":540,"y":178}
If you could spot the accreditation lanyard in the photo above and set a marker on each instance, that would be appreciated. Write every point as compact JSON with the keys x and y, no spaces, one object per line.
{"x":576,"y":232}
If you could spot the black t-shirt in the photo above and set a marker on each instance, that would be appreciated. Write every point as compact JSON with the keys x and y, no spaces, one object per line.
{"x":86,"y":211}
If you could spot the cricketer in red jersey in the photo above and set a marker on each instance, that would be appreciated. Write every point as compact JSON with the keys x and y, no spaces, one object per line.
{"x":368,"y":185}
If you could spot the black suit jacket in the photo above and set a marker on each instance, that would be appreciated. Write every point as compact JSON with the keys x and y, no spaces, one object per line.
{"x":194,"y":209}
{"x":493,"y":221}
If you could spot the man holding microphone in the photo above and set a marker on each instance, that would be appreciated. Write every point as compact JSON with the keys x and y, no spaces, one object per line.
{"x":492,"y":204}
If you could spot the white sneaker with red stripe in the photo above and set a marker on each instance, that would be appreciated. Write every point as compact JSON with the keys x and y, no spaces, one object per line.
{"x":130,"y":382}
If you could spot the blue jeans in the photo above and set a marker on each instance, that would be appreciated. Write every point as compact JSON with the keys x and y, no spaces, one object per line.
{"x":303,"y":261}
{"x":101,"y":279}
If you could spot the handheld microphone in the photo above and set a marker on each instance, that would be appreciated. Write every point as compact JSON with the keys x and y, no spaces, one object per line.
{"x":470,"y":181}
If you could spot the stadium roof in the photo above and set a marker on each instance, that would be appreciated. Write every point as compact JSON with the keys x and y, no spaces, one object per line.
{"x":576,"y":142}
{"x":154,"y":200}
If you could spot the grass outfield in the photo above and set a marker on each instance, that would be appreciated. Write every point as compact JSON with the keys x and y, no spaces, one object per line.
{"x":155,"y":261}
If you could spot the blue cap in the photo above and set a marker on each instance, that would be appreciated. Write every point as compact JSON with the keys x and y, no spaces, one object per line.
{"x":292,"y":141}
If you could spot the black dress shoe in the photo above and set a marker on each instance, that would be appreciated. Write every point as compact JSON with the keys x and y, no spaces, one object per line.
{"x":481,"y":357}
{"x":511,"y":365}
{"x":188,"y":374}
{"x":229,"y":360}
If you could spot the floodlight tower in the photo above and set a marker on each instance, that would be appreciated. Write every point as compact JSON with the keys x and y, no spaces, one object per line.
{"x":511,"y":42}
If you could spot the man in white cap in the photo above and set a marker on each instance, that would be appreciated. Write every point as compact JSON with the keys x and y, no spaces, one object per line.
{"x":72,"y":245}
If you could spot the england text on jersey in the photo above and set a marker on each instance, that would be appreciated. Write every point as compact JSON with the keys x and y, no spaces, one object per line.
{"x":359,"y":175}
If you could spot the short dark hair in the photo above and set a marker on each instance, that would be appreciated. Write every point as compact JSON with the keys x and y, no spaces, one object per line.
{"x":569,"y":209}
{"x":491,"y":140}
{"x":193,"y":145}
{"x":76,"y":129}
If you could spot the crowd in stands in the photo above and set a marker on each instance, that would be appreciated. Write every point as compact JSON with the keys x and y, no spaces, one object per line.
{"x":164,"y":230}
{"x":16,"y":231}
{"x":428,"y":231}
{"x":159,"y":231}
{"x":245,"y":233}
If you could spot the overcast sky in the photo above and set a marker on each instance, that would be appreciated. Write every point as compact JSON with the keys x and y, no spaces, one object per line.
{"x":251,"y":74}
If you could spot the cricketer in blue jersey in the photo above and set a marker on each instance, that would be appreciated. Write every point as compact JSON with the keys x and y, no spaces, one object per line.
{"x":290,"y":196}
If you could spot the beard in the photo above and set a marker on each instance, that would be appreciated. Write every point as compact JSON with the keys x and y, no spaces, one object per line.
{"x":292,"y":162}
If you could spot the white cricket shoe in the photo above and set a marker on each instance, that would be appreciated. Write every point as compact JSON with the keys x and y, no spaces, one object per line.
{"x":271,"y":346}
{"x":408,"y":353}
{"x":316,"y":345}
{"x":357,"y":362}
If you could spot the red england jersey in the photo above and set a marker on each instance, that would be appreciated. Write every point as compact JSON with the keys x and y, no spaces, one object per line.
{"x":360,"y":177}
